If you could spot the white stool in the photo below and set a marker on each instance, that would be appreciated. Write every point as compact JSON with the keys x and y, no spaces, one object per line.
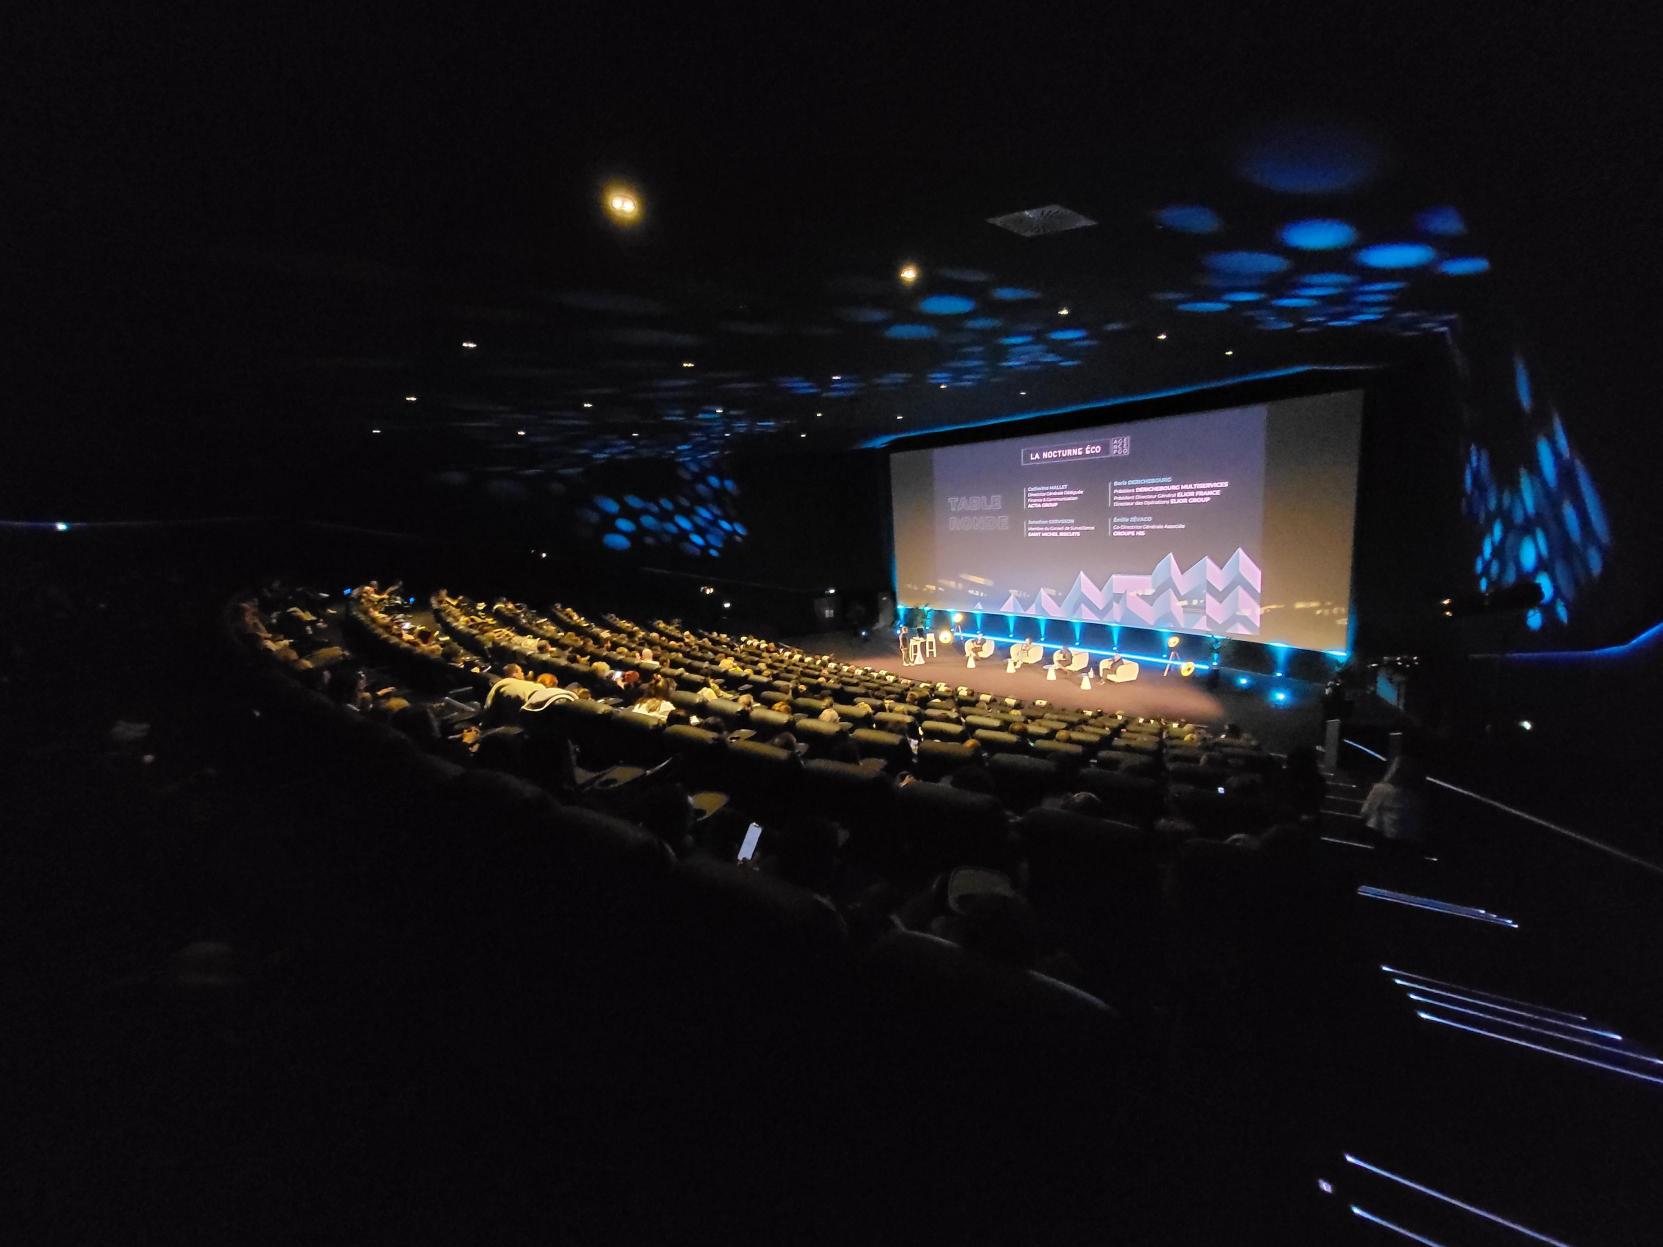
{"x":915,"y":651}
{"x":1051,"y":672}
{"x":929,"y":645}
{"x":1085,"y":682}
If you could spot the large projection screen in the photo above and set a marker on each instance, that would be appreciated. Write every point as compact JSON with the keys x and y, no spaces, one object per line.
{"x":1235,"y":523}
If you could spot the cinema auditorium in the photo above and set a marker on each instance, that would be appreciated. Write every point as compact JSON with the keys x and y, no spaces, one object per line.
{"x":980,"y":627}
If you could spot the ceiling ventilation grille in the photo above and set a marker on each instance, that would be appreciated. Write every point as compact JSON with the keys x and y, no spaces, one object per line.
{"x":1032,"y":222}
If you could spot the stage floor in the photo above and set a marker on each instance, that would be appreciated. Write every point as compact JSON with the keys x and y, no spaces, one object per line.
{"x":1279,"y":726}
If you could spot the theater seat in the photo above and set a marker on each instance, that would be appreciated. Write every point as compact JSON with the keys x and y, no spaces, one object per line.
{"x":943,"y":827}
{"x":934,"y":729}
{"x":819,"y":737}
{"x":766,"y":723}
{"x":1023,"y":782}
{"x":1000,"y":742}
{"x":888,"y":747}
{"x":758,"y":778}
{"x":1133,"y":798}
{"x":853,"y":795}
{"x":1067,"y":757}
{"x":938,"y":759}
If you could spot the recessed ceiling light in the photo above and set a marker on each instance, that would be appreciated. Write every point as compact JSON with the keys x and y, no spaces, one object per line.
{"x":409,"y":398}
{"x":944,"y":385}
{"x":587,"y":406}
{"x":1022,"y":393}
{"x":635,"y":435}
{"x":909,"y":273}
{"x":1160,"y":337}
{"x":470,"y":346}
{"x":802,"y":435}
{"x":1062,"y":311}
{"x":1229,"y":352}
{"x":375,"y":430}
{"x":718,"y":411}
{"x":900,"y":417}
{"x":686,"y":363}
{"x":623,"y":204}
{"x":837,"y":376}
{"x":519,"y":432}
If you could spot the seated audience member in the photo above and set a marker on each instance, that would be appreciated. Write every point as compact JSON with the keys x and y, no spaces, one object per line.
{"x":652,"y":706}
{"x":1087,"y":803}
{"x":416,"y":722}
{"x":708,"y":692}
{"x":502,"y":749}
{"x":1395,"y":808}
{"x":349,"y":686}
{"x":547,"y":680}
{"x":746,"y":701}
{"x":781,"y":707}
{"x":509,"y":697}
{"x":828,"y":715}
{"x":1234,"y":736}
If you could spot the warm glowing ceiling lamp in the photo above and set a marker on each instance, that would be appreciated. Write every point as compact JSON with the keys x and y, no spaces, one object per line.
{"x":623,"y":204}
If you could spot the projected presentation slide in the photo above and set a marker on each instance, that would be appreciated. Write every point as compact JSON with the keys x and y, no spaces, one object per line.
{"x":1232,"y":523}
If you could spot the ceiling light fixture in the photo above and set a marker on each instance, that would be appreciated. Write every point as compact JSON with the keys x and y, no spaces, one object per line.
{"x":908,"y":274}
{"x":586,"y":406}
{"x":519,"y":432}
{"x":409,"y":398}
{"x":470,"y":346}
{"x":1229,"y":352}
{"x":1160,"y":337}
{"x":623,"y":204}
{"x":686,"y":363}
{"x":1062,"y":311}
{"x":375,"y":430}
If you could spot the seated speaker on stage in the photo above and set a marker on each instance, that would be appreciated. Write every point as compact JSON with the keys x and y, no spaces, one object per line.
{"x":977,"y":647}
{"x":1117,"y":670}
{"x":1023,"y":653}
{"x":1068,"y":661}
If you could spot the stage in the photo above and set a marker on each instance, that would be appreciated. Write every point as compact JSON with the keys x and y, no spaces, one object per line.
{"x":1282,"y":713}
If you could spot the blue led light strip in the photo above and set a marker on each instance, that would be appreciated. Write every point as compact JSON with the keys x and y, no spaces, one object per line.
{"x":1473,"y":991}
{"x":1435,"y":906}
{"x":1395,"y":1229}
{"x":1450,"y":1199}
{"x":1542,"y":1016}
{"x":1366,"y":749}
{"x":1540,"y":1030}
{"x":1534,"y":1047}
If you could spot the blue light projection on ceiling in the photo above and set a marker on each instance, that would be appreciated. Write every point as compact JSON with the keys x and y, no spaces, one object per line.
{"x":1189,"y":218}
{"x":1465,"y":266}
{"x":1204,"y":305}
{"x":1443,"y":221}
{"x":1248,"y":263}
{"x":908,"y":333}
{"x":946,"y":305}
{"x":1396,"y":255}
{"x":1318,"y":234}
{"x":1013,"y":294}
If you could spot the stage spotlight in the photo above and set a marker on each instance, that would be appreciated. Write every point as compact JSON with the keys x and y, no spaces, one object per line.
{"x":1242,"y":681}
{"x":945,"y":636}
{"x":958,"y":616}
{"x":908,"y":274}
{"x":1186,"y":669}
{"x":1172,"y":642}
{"x":623,"y":204}
{"x":1279,"y":696}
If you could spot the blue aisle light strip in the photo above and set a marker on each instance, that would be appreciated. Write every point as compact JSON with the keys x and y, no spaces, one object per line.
{"x":1366,"y":749}
{"x":1451,"y":1200}
{"x":1395,"y":1229}
{"x":1434,"y":905}
{"x":1534,"y":1047}
{"x":1524,"y":1013}
{"x":1540,"y":1030}
{"x":1473,"y":991}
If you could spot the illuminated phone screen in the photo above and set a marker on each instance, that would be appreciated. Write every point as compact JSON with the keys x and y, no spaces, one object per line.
{"x":747,"y":850}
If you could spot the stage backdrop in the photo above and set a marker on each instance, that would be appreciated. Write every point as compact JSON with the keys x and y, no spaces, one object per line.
{"x":1237,"y":522}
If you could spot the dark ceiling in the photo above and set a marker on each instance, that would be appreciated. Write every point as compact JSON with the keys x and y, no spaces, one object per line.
{"x":289,"y":224}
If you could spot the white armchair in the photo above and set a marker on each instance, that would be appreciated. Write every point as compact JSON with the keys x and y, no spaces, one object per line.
{"x":1117,"y":670}
{"x":1023,"y":653}
{"x":975,"y":649}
